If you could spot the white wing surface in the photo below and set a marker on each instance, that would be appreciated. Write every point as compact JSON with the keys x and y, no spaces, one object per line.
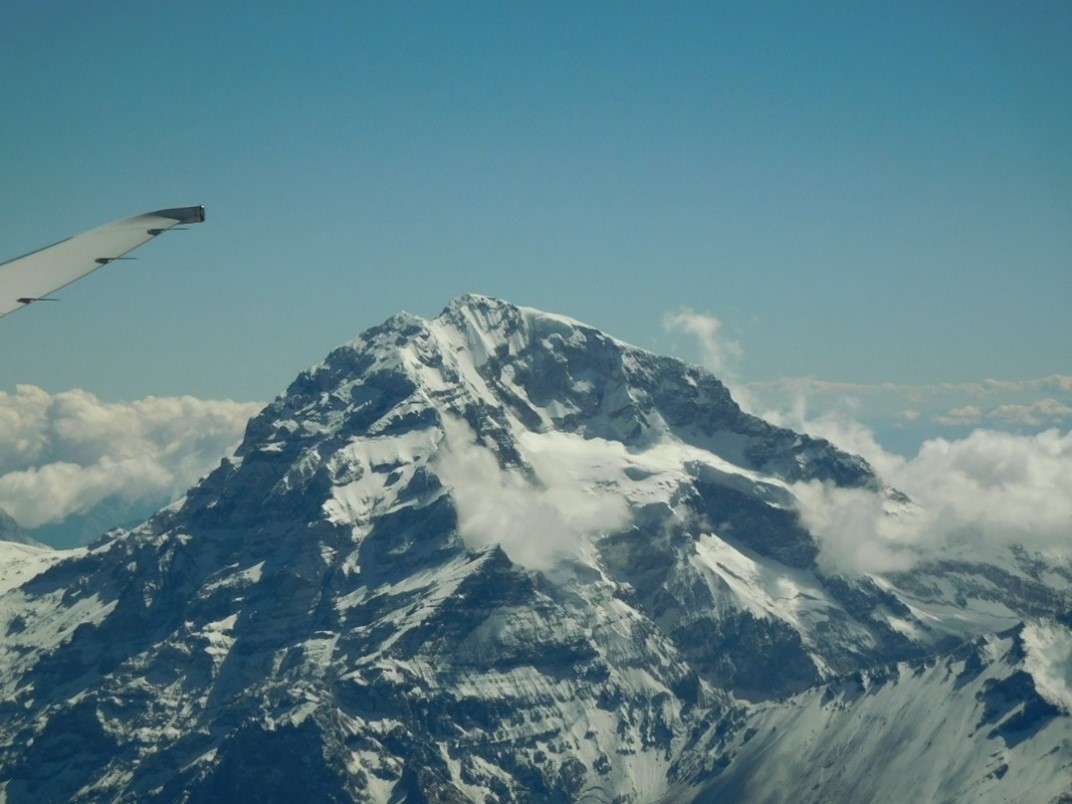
{"x":33,"y":276}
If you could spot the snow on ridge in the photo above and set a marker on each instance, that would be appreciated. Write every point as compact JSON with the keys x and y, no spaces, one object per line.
{"x":487,"y":323}
{"x":20,"y":562}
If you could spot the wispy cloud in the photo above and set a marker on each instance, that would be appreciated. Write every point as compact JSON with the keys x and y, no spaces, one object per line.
{"x":1036,"y":403}
{"x":1040,"y":412}
{"x":66,"y":453}
{"x":718,"y":353}
{"x":964,"y":415}
{"x":1059,"y":383}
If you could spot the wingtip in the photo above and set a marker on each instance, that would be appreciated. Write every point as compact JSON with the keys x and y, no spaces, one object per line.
{"x":195,"y":214}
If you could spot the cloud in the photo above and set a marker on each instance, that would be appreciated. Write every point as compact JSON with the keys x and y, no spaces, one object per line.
{"x":965,"y":415}
{"x":968,"y":496}
{"x":1044,"y":410}
{"x":719,"y":355}
{"x":66,"y":453}
{"x":856,"y":531}
{"x":1039,"y":403}
{"x":537,"y":521}
{"x":895,"y":405}
{"x":989,"y":490}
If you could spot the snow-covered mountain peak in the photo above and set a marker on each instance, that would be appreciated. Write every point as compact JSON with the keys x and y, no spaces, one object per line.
{"x":514,"y":369}
{"x":494,"y":327}
{"x":494,"y":555}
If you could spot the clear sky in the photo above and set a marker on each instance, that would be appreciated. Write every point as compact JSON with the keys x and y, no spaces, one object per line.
{"x":860,"y":192}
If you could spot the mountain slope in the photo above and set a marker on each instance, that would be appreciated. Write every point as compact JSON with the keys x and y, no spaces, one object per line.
{"x":988,"y":722}
{"x":497,"y":555}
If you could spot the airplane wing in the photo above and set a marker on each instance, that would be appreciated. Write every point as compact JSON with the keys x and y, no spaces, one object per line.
{"x":33,"y":276}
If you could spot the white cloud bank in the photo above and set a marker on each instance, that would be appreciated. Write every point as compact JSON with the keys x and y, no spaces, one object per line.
{"x":66,"y":453}
{"x":988,"y":490}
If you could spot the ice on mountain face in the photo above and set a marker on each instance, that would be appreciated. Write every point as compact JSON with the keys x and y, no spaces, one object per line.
{"x":499,"y":555}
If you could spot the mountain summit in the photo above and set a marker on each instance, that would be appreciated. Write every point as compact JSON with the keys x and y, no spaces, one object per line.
{"x":499,"y":555}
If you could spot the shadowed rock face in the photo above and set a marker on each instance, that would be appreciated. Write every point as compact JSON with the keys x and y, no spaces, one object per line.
{"x":315,"y":620}
{"x":12,"y":531}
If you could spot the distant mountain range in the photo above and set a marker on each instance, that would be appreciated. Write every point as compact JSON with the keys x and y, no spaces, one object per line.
{"x":501,"y":556}
{"x":12,"y":531}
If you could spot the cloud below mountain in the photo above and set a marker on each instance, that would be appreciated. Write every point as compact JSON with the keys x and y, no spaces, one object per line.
{"x":63,"y":454}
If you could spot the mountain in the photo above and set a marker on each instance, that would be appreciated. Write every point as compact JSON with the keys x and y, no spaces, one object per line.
{"x":499,"y":555}
{"x":21,"y":557}
{"x":12,"y":531}
{"x":78,"y":530}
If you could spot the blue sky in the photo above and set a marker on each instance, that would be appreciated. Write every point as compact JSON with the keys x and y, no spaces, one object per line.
{"x":858,"y":214}
{"x":861,"y":193}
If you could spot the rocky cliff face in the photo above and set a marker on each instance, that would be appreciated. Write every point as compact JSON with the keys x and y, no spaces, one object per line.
{"x":497,"y":555}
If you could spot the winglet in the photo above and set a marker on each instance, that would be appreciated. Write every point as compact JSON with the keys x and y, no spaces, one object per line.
{"x":182,"y":214}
